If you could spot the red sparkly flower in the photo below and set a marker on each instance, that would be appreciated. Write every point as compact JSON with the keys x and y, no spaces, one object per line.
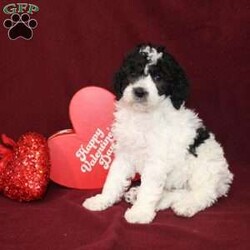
{"x":24,"y":167}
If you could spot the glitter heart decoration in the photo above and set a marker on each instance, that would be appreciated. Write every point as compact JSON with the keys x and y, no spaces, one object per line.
{"x":24,"y":167}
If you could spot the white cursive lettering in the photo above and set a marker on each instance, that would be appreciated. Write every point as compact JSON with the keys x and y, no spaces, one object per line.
{"x":98,"y":150}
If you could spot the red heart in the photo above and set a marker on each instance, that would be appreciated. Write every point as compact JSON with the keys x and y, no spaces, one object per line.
{"x":25,"y":167}
{"x":80,"y":158}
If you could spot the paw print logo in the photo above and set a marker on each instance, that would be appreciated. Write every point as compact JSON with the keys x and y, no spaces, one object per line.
{"x":20,"y":26}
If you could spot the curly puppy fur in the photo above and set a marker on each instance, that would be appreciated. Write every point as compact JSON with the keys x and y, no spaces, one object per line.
{"x":182,"y":166}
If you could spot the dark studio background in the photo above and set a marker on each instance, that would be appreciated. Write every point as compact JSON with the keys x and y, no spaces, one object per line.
{"x":82,"y":42}
{"x":78,"y":43}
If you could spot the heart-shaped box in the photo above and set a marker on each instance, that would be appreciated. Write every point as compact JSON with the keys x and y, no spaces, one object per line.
{"x":81,"y":157}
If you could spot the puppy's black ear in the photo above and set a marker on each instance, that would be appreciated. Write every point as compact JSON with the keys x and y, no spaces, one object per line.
{"x":179,"y":86}
{"x":132,"y":66}
{"x":118,"y":83}
{"x":179,"y":90}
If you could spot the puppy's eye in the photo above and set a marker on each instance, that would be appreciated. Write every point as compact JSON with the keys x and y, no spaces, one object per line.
{"x":156,"y":77}
{"x":132,"y":71}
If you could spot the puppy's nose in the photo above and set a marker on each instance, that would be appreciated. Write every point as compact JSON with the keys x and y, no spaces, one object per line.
{"x":140,"y":92}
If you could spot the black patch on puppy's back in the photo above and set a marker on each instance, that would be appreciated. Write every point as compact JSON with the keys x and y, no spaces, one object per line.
{"x":202,"y":135}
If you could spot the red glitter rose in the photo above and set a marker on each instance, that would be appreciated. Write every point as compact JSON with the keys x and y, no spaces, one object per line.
{"x":24,"y":167}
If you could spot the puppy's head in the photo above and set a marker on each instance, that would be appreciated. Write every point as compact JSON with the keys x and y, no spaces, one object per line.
{"x":148,"y":75}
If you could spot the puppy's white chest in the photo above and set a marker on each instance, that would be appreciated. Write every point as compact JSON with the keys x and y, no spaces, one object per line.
{"x":134,"y":134}
{"x":135,"y":138}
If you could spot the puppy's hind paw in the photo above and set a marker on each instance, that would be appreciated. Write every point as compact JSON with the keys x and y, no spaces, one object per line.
{"x":96,"y":203}
{"x":131,"y":195}
{"x":185,"y":208}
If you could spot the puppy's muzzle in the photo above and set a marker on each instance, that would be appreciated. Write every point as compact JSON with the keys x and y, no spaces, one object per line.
{"x":140,"y":93}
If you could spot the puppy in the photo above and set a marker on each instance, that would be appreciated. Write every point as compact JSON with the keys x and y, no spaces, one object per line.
{"x":182,"y":166}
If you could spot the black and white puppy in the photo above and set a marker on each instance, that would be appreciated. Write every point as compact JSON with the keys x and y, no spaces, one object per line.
{"x":181,"y":164}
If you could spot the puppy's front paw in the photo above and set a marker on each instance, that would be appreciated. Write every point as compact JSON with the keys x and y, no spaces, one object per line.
{"x":96,"y":203}
{"x":141,"y":216}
